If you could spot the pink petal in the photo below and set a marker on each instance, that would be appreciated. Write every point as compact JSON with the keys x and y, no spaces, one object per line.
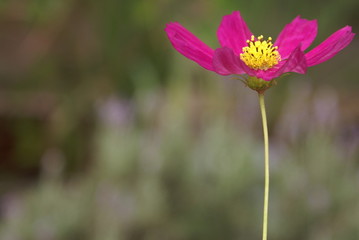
{"x":225,"y":62}
{"x":189,"y":45}
{"x":233,"y":32}
{"x":299,"y":31}
{"x":295,"y":63}
{"x":330,"y":47}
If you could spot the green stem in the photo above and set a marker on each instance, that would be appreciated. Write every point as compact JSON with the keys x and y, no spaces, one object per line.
{"x":266,"y":166}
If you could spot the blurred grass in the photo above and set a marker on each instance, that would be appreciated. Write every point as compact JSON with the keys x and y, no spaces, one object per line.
{"x":193,"y":170}
{"x":107,"y":133}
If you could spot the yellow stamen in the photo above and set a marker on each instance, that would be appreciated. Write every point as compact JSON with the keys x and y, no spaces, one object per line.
{"x":260,"y":54}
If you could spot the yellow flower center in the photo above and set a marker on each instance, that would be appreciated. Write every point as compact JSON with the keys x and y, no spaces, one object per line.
{"x":260,"y":54}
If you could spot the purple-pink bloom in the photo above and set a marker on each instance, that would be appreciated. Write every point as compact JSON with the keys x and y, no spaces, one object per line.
{"x":235,"y":56}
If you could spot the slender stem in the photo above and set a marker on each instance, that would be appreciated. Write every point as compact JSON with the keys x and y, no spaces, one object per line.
{"x":266,"y":166}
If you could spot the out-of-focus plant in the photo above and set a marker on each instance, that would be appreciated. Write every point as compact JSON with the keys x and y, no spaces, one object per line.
{"x":176,"y":165}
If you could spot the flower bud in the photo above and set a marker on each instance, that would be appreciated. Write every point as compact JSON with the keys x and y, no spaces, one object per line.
{"x":258,"y":84}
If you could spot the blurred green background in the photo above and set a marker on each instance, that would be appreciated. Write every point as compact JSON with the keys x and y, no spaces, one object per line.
{"x":106,"y":132}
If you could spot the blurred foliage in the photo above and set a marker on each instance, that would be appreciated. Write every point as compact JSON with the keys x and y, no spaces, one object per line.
{"x":106,"y":132}
{"x":193,"y":170}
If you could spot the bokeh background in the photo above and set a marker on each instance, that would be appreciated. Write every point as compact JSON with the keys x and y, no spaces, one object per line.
{"x":106,"y":132}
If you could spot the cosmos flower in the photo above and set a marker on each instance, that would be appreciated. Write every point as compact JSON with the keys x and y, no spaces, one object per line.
{"x":243,"y":53}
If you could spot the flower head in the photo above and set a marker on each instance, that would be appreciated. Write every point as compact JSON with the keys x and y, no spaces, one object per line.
{"x":243,"y":53}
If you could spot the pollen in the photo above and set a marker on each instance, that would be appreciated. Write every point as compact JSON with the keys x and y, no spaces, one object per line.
{"x":259,"y":54}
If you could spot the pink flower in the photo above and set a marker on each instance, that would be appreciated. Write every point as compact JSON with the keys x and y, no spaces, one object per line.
{"x":242,"y":53}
